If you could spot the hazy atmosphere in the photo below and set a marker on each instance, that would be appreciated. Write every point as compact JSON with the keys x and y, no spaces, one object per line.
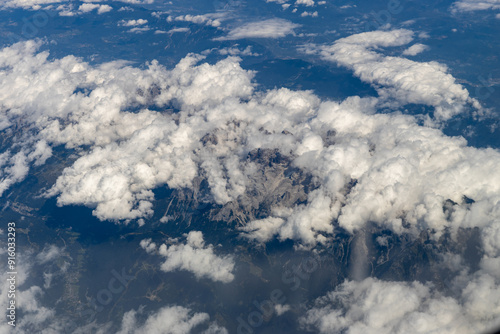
{"x":263,"y":166}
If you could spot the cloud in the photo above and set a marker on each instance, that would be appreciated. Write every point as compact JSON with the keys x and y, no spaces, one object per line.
{"x":49,"y":253}
{"x":194,"y":257}
{"x":139,"y":29}
{"x":271,"y":28}
{"x":37,"y":317}
{"x":15,"y":165}
{"x":189,"y":86}
{"x":277,"y":1}
{"x":263,"y":230}
{"x":88,"y":7}
{"x":148,"y":246}
{"x":138,"y":2}
{"x":137,"y":129}
{"x":365,"y":167}
{"x":399,"y":78}
{"x":211,"y":19}
{"x":235,"y":51}
{"x":304,"y":2}
{"x":138,"y":26}
{"x":474,"y":5}
{"x":168,"y":320}
{"x":33,"y":4}
{"x":133,"y":23}
{"x":175,"y":30}
{"x":66,"y":7}
{"x":281,"y":309}
{"x":415,"y":49}
{"x":374,"y":306}
{"x":311,"y":14}
{"x":14,"y":169}
{"x":403,"y":174}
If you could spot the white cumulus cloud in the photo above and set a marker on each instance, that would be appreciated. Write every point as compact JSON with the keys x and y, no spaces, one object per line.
{"x":210,"y":19}
{"x":379,"y":307}
{"x":415,"y":49}
{"x":195,"y":257}
{"x":305,"y":2}
{"x":399,"y":78}
{"x":88,"y":7}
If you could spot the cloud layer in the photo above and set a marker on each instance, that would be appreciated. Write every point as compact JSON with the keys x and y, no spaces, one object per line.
{"x":133,"y":130}
{"x":382,"y":168}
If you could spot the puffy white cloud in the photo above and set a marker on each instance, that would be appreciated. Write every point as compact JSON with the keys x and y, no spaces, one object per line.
{"x":148,"y":246}
{"x":263,"y":230}
{"x":88,"y":7}
{"x":415,"y":49}
{"x":271,"y":28}
{"x":66,"y":7}
{"x":168,"y":320}
{"x":399,"y":78}
{"x":420,"y":176}
{"x":104,"y":9}
{"x":33,"y":4}
{"x":139,"y":29}
{"x":14,"y":169}
{"x":281,"y":309}
{"x":403,"y":172}
{"x":111,"y":88}
{"x":160,"y":150}
{"x":373,"y":306}
{"x":211,"y":19}
{"x":311,"y":14}
{"x":15,"y":166}
{"x":303,"y":223}
{"x":304,"y":2}
{"x":195,"y":257}
{"x":133,"y":23}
